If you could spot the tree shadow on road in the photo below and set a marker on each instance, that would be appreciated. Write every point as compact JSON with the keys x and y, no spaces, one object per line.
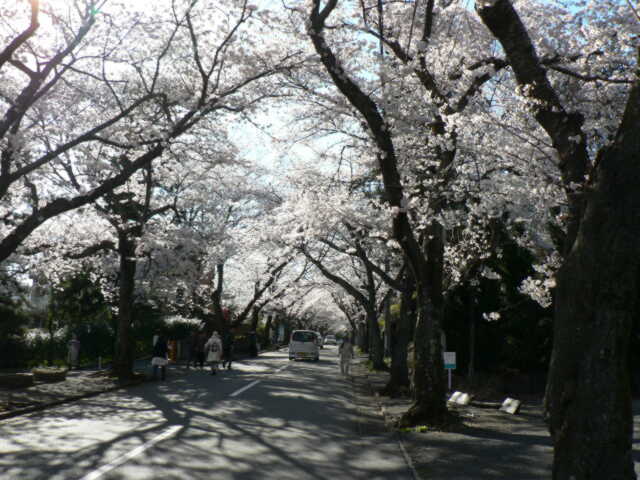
{"x":299,"y":424}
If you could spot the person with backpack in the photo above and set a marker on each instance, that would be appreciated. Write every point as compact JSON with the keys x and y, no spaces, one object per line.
{"x":213,"y":347}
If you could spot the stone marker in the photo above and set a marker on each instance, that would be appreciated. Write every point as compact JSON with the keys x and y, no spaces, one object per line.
{"x":460,"y":398}
{"x":454,"y":397}
{"x":510,"y":405}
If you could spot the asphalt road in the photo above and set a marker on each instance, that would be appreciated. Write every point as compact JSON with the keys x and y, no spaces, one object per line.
{"x":268,"y":418}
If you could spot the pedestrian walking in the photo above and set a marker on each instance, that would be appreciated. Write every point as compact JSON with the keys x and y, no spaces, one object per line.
{"x":227,"y":348}
{"x":200,"y":349}
{"x":159,"y":357}
{"x":214,"y":351}
{"x":74,"y":352}
{"x":346,"y":354}
{"x":192,"y":346}
{"x":253,"y":344}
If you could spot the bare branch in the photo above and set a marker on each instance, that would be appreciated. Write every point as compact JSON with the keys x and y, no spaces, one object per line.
{"x":9,"y":50}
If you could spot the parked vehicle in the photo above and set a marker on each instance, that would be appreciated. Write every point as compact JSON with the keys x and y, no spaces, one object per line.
{"x":330,"y":340}
{"x":303,"y":345}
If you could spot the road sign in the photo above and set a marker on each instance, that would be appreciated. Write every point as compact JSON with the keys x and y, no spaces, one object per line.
{"x":449,"y":360}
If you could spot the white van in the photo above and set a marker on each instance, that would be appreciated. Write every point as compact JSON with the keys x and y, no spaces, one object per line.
{"x":303,"y":345}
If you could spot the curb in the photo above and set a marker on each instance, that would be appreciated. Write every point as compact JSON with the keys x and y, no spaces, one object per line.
{"x":396,"y":434}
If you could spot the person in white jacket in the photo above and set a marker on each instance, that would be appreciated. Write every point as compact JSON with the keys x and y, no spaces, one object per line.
{"x":346,"y":354}
{"x":213,"y":347}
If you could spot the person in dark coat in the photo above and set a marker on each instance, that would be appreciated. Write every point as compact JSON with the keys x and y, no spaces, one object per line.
{"x":193,"y":349}
{"x":159,"y":357}
{"x":227,"y":348}
{"x":253,"y":344}
{"x":200,"y":349}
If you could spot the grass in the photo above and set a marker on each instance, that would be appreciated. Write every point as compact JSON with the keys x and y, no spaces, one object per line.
{"x":415,"y":429}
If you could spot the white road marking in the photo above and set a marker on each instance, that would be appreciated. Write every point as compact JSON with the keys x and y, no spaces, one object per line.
{"x":94,"y":475}
{"x":247,"y":387}
{"x":254,"y":383}
{"x":133,"y":453}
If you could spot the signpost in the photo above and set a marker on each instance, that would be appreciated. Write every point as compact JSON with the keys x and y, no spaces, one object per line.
{"x":449,"y":364}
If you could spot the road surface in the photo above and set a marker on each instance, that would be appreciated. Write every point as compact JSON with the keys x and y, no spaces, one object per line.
{"x":268,"y":418}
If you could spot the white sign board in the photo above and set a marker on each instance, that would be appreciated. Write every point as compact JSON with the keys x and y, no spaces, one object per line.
{"x":449,"y":360}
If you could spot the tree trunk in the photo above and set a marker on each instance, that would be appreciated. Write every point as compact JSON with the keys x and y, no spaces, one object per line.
{"x":399,"y":382}
{"x":387,"y":335}
{"x":365,"y":337}
{"x":471,"y":369}
{"x":376,"y":344}
{"x":124,"y":350}
{"x":588,"y":398}
{"x":219,"y":323}
{"x":429,"y":386}
{"x":255,"y":318}
{"x":266,"y":340}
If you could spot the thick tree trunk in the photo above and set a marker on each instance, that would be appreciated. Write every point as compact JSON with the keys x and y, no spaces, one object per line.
{"x":255,"y":318}
{"x":124,"y":350}
{"x":219,"y":323}
{"x":429,"y":386}
{"x":399,"y":382}
{"x":588,"y":398}
{"x":266,"y":340}
{"x":376,"y":344}
{"x":364,"y":328}
{"x":471,"y":369}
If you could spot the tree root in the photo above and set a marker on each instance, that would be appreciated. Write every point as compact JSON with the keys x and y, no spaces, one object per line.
{"x":419,"y":416}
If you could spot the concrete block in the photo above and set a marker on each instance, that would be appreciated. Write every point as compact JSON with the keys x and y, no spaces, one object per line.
{"x":510,"y":405}
{"x":454,"y":397}
{"x":460,"y":398}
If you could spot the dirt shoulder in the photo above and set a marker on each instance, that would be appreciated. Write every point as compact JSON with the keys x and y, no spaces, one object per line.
{"x":489,"y":445}
{"x":41,"y":395}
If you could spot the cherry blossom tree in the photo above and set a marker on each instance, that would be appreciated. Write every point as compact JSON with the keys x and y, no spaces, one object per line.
{"x":422,"y":244}
{"x":77,"y":104}
{"x":93,"y":113}
{"x":597,"y":284}
{"x":139,"y":243}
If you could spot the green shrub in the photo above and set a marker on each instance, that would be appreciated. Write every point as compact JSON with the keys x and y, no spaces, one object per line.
{"x":49,"y":375}
{"x":40,"y":346}
{"x":176,"y":327}
{"x":16,"y":380}
{"x":12,"y":326}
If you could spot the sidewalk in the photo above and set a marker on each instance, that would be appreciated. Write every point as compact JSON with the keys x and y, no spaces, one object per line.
{"x":78,"y":384}
{"x":491,"y":445}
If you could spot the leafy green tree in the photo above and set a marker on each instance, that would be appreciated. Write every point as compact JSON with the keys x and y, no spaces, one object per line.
{"x":12,"y":327}
{"x":78,"y":305}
